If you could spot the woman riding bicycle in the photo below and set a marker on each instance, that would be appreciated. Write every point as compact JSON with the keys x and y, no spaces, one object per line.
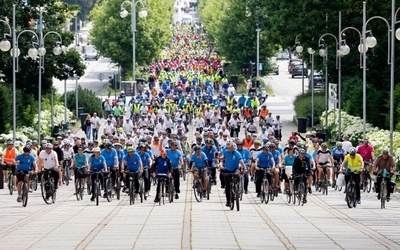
{"x":355,"y":164}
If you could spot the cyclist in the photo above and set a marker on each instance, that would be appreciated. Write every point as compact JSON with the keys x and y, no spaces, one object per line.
{"x":232,"y":160}
{"x":338,"y":154}
{"x":254,"y":151}
{"x":48,"y":160}
{"x":177,"y":161}
{"x":277,"y":162}
{"x":111,"y":157}
{"x":264,"y":160}
{"x":367,"y":153}
{"x":245,"y":153}
{"x":162,"y":165}
{"x":9,"y":154}
{"x":68,"y":154}
{"x":384,"y":161}
{"x":288,"y":163}
{"x":80,"y":165}
{"x":324,"y":157}
{"x":301,"y":165}
{"x":146,"y":162}
{"x":25,"y":162}
{"x":97,"y":163}
{"x":199,"y":166}
{"x":132,"y":162}
{"x":355,"y":164}
{"x":210,"y":150}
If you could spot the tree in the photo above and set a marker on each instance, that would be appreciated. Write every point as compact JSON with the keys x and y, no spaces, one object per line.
{"x":112,"y":34}
{"x":85,"y":6}
{"x":54,"y":17}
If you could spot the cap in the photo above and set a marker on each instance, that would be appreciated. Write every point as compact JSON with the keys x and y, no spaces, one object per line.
{"x":302,"y":151}
{"x":163,"y":152}
{"x":48,"y":145}
{"x":385,"y":151}
{"x":130,"y":149}
{"x":11,"y":143}
{"x":96,"y":150}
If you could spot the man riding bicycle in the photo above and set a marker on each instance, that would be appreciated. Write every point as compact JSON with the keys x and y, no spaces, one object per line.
{"x":9,"y":154}
{"x":355,"y":165}
{"x":199,"y":166}
{"x":25,"y":163}
{"x":133,"y":163}
{"x":264,"y":160}
{"x":384,"y":161}
{"x":210,"y":150}
{"x":48,"y":160}
{"x":301,"y":165}
{"x":97,"y":164}
{"x":111,"y":157}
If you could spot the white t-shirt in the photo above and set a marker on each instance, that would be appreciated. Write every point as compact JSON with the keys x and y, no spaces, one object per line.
{"x":128,"y":126}
{"x":199,"y":122}
{"x":49,"y":160}
{"x":346,"y":145}
{"x":68,"y":153}
{"x":94,"y":122}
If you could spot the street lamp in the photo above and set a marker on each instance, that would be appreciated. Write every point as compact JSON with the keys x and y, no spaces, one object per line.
{"x":42,"y":52}
{"x":299,"y":50}
{"x":370,"y":42}
{"x":142,"y":14}
{"x":312,"y":52}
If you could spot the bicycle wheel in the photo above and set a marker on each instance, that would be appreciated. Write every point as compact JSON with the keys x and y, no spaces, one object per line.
{"x":300,"y":193}
{"x":77,"y":189}
{"x":368,"y":183}
{"x":241,"y":188}
{"x":10,"y":183}
{"x":197,"y":191}
{"x":89,"y":185}
{"x":131,"y":193}
{"x":163,"y":192}
{"x":266,"y":191}
{"x":108,"y":189}
{"x":288,"y":194}
{"x":24,"y":195}
{"x":141,"y":189}
{"x":34,"y":182}
{"x":349,"y":195}
{"x":354,"y":196}
{"x":118,"y":187}
{"x":208,"y":187}
{"x":237,"y":196}
{"x":233,"y":198}
{"x":383,"y":194}
{"x":97,"y":191}
{"x":66,"y":175}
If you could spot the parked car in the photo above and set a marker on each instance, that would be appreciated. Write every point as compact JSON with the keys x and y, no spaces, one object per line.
{"x":282,"y":55}
{"x":92,"y":55}
{"x":293,"y":62}
{"x":319,"y":81}
{"x":298,"y":69}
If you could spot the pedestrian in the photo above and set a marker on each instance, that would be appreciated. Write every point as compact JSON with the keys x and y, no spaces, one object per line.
{"x":87,"y":126}
{"x":95,"y":125}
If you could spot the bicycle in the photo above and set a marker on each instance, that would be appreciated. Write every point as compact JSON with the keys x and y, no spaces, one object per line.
{"x":48,"y":187}
{"x":290,"y":190}
{"x":170,"y":189}
{"x":67,"y":171}
{"x":79,"y":185}
{"x":184,"y":170}
{"x":162,"y":179}
{"x":10,"y":176}
{"x":117,"y":185}
{"x":300,"y":192}
{"x":351,"y":191}
{"x":323,"y":186}
{"x":96,"y":179}
{"x":367,"y":182}
{"x":198,"y":187}
{"x":234,"y":131}
{"x":265,"y":186}
{"x":34,"y":181}
{"x":108,"y":187}
{"x":235,"y":196}
{"x":24,"y":187}
{"x":384,"y":187}
{"x":131,"y":180}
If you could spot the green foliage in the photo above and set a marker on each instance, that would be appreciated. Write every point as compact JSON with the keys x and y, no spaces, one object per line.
{"x":86,"y":99}
{"x":5,"y":108}
{"x":302,"y":105}
{"x":112,"y":35}
{"x":85,"y":6}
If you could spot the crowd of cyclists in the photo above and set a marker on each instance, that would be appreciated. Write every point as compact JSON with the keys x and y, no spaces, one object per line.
{"x":193,"y":122}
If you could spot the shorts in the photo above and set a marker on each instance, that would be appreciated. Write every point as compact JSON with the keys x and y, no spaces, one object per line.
{"x":21,"y":174}
{"x":81,"y":172}
{"x":12,"y":167}
{"x":201,"y":172}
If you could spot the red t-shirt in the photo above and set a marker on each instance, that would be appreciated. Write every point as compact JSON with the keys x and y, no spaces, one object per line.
{"x":366,"y":152}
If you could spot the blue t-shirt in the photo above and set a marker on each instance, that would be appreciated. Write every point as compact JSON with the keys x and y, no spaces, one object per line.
{"x":80,"y":160}
{"x":199,"y":161}
{"x":265,"y":160}
{"x":25,"y":163}
{"x":174,"y":157}
{"x":163,"y":165}
{"x":276,"y":155}
{"x":120,"y":156}
{"x":338,"y":153}
{"x":132,"y":163}
{"x":289,"y":161}
{"x":145,"y":157}
{"x":231,"y":160}
{"x":210,"y":152}
{"x":109,"y":157}
{"x":97,"y":165}
{"x":245,"y":153}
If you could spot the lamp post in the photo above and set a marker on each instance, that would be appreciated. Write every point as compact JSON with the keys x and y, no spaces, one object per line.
{"x":142,"y":14}
{"x":258,"y":51}
{"x":299,"y":50}
{"x":41,"y":52}
{"x":312,"y":52}
{"x":370,"y":42}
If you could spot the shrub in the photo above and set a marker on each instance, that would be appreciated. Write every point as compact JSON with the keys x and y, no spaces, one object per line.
{"x":86,"y":99}
{"x":302,"y":105}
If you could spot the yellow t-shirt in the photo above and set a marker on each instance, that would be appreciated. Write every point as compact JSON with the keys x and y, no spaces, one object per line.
{"x":354,"y":163}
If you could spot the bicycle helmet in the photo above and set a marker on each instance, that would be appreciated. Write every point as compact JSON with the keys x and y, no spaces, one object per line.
{"x":302,"y":151}
{"x":49,"y":145}
{"x":352,"y":151}
{"x":272,"y":145}
{"x":108,"y":145}
{"x":338,"y":144}
{"x":27,"y":149}
{"x":257,"y":142}
{"x":209,"y":141}
{"x":195,"y":148}
{"x":324,"y":145}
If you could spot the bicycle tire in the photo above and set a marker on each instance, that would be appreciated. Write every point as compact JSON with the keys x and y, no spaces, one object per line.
{"x":118,"y":187}
{"x":197,"y":192}
{"x":349,"y":194}
{"x":326,"y":184}
{"x":141,"y":189}
{"x":272,"y":190}
{"x":368,"y":183}
{"x":241,"y":187}
{"x":34,"y":182}
{"x":208,"y":187}
{"x":184,"y":170}
{"x":10,"y":183}
{"x":163,"y":193}
{"x":89,"y":185}
{"x":77,"y":189}
{"x":383,"y":194}
{"x":354,"y":196}
{"x":66,"y":175}
{"x":262,"y":193}
{"x":301,"y":194}
{"x":266,"y":191}
{"x":288,"y":194}
{"x":43,"y":185}
{"x":97,"y":191}
{"x":233,"y":198}
{"x":237,"y":191}
{"x":24,"y":195}
{"x":108,"y":189}
{"x":131,"y":193}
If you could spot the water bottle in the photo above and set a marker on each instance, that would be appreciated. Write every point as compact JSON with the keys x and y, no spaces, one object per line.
{"x":384,"y":173}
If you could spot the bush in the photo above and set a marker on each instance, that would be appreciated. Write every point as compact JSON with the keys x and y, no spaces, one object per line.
{"x":302,"y":105}
{"x":86,"y":99}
